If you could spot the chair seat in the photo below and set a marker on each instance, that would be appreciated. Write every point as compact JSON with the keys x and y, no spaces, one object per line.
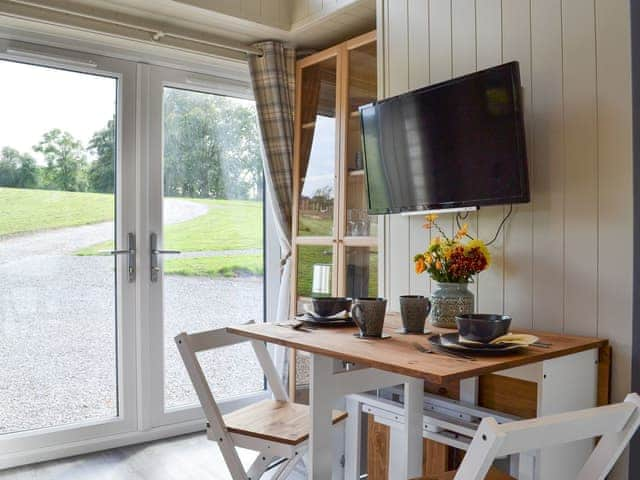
{"x":283,"y":422}
{"x":494,"y":474}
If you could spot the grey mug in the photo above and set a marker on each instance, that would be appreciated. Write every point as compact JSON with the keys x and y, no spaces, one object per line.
{"x":414,"y":310}
{"x":368,"y":314}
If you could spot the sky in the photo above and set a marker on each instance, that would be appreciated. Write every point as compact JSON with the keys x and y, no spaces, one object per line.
{"x":34,"y":100}
{"x":321,"y":170}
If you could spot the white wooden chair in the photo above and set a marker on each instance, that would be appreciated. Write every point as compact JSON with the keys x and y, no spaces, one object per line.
{"x":277,"y":429}
{"x":615,"y":424}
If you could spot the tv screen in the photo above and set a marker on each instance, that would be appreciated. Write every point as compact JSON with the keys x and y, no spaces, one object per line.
{"x":458,"y":143}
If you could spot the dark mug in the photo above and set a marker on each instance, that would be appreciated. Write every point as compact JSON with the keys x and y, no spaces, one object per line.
{"x":414,"y":310}
{"x":368,"y":314}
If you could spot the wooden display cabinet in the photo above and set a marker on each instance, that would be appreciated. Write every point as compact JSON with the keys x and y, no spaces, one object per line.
{"x":335,"y":241}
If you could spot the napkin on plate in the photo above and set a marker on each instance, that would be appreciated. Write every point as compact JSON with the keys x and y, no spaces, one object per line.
{"x":338,"y":316}
{"x":510,"y":338}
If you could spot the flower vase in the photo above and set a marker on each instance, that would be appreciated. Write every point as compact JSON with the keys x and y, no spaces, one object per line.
{"x":449,"y":300}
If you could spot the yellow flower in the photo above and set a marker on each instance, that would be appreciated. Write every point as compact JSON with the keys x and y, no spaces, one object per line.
{"x":462,"y":231}
{"x":480,"y":245}
{"x":435,"y":244}
{"x":430,"y":220}
{"x":447,"y":251}
{"x":428,"y":260}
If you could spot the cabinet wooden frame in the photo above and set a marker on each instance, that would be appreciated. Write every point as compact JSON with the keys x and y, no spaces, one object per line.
{"x":339,"y":240}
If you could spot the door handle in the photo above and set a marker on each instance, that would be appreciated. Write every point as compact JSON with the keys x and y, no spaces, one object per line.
{"x":155,"y":252}
{"x":131,"y":255}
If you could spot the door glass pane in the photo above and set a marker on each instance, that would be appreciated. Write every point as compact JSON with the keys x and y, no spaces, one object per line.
{"x":362,"y":90}
{"x":362,"y":271}
{"x":315,"y":270}
{"x":58,"y":325}
{"x":317,"y":150}
{"x":213,"y":214}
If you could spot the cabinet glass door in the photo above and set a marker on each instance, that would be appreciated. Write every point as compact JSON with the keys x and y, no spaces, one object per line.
{"x":361,"y":272}
{"x":317,"y":156}
{"x":362,"y":89}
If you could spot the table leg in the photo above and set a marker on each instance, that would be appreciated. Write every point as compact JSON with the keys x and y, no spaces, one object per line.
{"x":353,"y":438}
{"x":322,"y":398}
{"x":568,"y":383}
{"x":412,"y":434}
{"x":469,"y":390}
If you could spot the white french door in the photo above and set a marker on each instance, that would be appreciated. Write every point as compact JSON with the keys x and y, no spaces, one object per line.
{"x":205,"y":229}
{"x":124,"y":235}
{"x":67,"y":310}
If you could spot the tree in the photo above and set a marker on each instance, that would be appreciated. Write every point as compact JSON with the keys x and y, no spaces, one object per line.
{"x":101,"y":174}
{"x":192,"y":148}
{"x":17,"y":170}
{"x":211,"y":147}
{"x":66,"y":163}
{"x":8,"y":167}
{"x":27,"y":175}
{"x":242,"y":149}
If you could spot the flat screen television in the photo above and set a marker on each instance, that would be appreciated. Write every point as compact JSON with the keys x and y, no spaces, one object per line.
{"x":459,"y":143}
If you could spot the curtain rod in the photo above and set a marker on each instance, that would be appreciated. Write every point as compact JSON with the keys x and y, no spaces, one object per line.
{"x":157,"y":31}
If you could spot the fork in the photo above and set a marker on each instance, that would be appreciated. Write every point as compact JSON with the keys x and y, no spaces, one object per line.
{"x":457,"y":356}
{"x":299,"y":327}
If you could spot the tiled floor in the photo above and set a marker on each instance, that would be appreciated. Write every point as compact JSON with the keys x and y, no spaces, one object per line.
{"x":190,"y":457}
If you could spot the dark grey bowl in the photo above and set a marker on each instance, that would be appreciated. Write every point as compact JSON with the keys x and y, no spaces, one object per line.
{"x":482,"y":327}
{"x":327,"y":306}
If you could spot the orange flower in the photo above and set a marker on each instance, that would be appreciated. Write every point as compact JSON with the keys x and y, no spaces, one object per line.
{"x":438,"y":265}
{"x":420,"y":266}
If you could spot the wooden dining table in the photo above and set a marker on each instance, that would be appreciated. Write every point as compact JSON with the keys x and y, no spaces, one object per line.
{"x":342,"y":364}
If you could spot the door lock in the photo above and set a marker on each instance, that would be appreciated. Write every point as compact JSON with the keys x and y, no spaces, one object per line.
{"x":131,"y":255}
{"x":155,"y":252}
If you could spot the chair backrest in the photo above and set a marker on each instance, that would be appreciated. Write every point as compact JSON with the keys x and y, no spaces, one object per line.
{"x":188,"y":346}
{"x":616,"y":424}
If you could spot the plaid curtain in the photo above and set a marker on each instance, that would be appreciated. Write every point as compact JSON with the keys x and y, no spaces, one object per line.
{"x":273,"y":82}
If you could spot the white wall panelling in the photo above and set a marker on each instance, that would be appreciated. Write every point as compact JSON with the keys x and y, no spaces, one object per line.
{"x":564,"y":263}
{"x":398,"y":82}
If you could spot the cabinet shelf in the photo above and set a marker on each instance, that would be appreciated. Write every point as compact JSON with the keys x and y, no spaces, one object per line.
{"x":308,"y":125}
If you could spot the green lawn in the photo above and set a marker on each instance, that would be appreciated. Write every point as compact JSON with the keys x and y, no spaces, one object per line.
{"x":315,"y":227}
{"x":228,"y":225}
{"x":23,"y":210}
{"x":227,"y":266}
{"x":310,"y":255}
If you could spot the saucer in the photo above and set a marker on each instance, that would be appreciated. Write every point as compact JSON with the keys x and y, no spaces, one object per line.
{"x":402,"y":331}
{"x":367,"y":337}
{"x":324,"y":322}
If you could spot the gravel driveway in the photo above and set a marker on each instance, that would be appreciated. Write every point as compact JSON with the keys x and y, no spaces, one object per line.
{"x":57,"y":329}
